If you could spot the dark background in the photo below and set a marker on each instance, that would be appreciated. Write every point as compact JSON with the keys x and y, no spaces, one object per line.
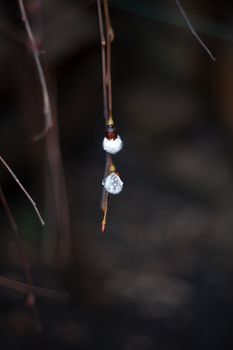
{"x":161,"y":277}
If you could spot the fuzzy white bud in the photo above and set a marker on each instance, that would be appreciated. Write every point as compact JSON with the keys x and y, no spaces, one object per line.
{"x":113,"y":184}
{"x":112,"y":146}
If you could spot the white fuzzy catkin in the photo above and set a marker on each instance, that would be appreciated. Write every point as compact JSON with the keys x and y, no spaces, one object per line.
{"x":112,"y":146}
{"x":113,"y":184}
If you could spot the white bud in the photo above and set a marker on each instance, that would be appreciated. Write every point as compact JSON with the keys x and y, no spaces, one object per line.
{"x":112,"y":146}
{"x":113,"y":184}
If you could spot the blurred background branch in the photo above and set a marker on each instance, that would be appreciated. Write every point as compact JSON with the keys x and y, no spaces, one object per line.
{"x":162,"y":277}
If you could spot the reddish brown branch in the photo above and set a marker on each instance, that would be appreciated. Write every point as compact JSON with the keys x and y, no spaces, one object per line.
{"x":103,"y":54}
{"x":54,"y":158}
{"x":44,"y":89}
{"x":105,"y":195}
{"x":57,"y":173}
{"x":107,"y":36}
{"x":109,"y":39}
{"x":108,"y":163}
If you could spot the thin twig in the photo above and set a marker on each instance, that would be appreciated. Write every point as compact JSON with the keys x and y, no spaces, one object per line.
{"x":105,"y":194}
{"x":103,"y":54}
{"x":26,"y":265}
{"x":54,"y":161}
{"x":23,"y":189}
{"x":57,"y":173}
{"x":109,"y":39}
{"x":41,"y":292}
{"x":107,"y":105}
{"x":193,"y":31}
{"x":54,"y":156}
{"x":105,"y":211}
{"x":46,"y":101}
{"x":108,"y":163}
{"x":31,"y":300}
{"x":16,"y":34}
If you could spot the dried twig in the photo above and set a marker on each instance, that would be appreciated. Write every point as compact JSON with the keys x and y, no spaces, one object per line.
{"x":12,"y":31}
{"x":26,"y":265}
{"x":44,"y":89}
{"x":23,"y":189}
{"x":31,"y":300}
{"x":41,"y":292}
{"x":193,"y":31}
{"x":54,"y":158}
{"x":57,"y":174}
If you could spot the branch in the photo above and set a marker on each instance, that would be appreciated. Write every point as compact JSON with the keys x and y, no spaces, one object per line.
{"x":12,"y":31}
{"x":31,"y":301}
{"x":103,"y":54}
{"x":26,"y":266}
{"x":46,"y":101}
{"x":105,"y":195}
{"x":41,"y":292}
{"x":193,"y":31}
{"x":109,"y":39}
{"x":54,"y":157}
{"x":23,"y":189}
{"x":106,"y":39}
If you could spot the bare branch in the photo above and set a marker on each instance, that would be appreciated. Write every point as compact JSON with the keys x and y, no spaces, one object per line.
{"x":54,"y":161}
{"x":193,"y":31}
{"x":12,"y":31}
{"x":105,"y":195}
{"x":109,"y":39}
{"x":46,"y":101}
{"x":31,"y":300}
{"x":41,"y":292}
{"x":103,"y":54}
{"x":107,"y":36}
{"x":26,"y":265}
{"x":23,"y":189}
